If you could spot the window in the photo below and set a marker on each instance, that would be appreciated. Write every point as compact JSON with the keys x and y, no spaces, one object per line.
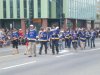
{"x":25,"y":8}
{"x":59,"y":8}
{"x":31,"y":8}
{"x":18,"y":8}
{"x":39,"y":8}
{"x":4,"y":8}
{"x":11,"y":8}
{"x":49,"y":9}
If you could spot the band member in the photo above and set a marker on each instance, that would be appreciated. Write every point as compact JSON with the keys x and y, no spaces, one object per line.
{"x":68,"y":39}
{"x":82,"y":39}
{"x":92,"y":38}
{"x":43,"y":40}
{"x":32,"y":38}
{"x":15,"y":36}
{"x":75,"y":40}
{"x":88,"y":38}
{"x":55,"y":39}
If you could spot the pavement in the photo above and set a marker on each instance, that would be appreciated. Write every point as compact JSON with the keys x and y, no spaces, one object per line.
{"x":68,"y":62}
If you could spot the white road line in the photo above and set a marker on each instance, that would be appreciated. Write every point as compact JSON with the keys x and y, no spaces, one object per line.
{"x":65,"y":55}
{"x":6,"y":56}
{"x":63,"y":51}
{"x":97,"y":43}
{"x":19,"y":65}
{"x":91,"y":50}
{"x":10,"y":55}
{"x":80,"y":51}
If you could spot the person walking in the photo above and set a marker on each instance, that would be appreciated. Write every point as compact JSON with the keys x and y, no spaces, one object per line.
{"x":75,"y":40}
{"x":15,"y":37}
{"x":82,"y":39}
{"x":92,"y":38}
{"x":68,"y":39}
{"x":87,"y":38}
{"x":43,"y":35}
{"x":55,"y":39}
{"x":32,"y":41}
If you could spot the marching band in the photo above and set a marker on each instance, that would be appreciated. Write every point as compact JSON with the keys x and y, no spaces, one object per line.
{"x":56,"y":39}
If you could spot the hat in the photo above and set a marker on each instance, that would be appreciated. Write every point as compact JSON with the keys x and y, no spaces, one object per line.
{"x":31,"y":25}
{"x":20,"y":29}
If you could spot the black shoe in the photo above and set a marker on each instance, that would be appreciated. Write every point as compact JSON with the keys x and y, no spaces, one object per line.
{"x":25,"y":54}
{"x":53,"y":53}
{"x":39,"y":53}
{"x":30,"y":56}
{"x":57,"y":52}
{"x":45,"y":52}
{"x":34,"y":55}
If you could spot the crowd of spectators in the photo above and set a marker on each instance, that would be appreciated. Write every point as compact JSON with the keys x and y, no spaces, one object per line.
{"x":6,"y":37}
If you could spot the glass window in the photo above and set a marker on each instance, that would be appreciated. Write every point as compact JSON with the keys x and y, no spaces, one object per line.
{"x":25,"y":8}
{"x":4,"y":8}
{"x":18,"y":8}
{"x":49,"y":9}
{"x":31,"y":8}
{"x":11,"y":8}
{"x":39,"y":8}
{"x":59,"y":8}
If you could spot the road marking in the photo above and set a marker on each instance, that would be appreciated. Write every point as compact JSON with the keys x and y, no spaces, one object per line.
{"x":63,"y":51}
{"x":80,"y":51}
{"x":65,"y":55}
{"x":10,"y":55}
{"x":97,"y":43}
{"x":15,"y":66}
{"x":91,"y":50}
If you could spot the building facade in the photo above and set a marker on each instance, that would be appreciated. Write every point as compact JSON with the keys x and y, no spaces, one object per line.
{"x":97,"y":22}
{"x":20,"y":13}
{"x":98,"y":9}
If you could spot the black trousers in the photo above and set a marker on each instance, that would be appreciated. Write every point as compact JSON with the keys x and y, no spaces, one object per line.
{"x":68,"y":43}
{"x":45,"y":45}
{"x":74,"y":45}
{"x":55,"y":44}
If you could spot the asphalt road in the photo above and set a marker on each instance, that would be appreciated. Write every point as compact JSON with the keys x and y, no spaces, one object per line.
{"x":81,"y":62}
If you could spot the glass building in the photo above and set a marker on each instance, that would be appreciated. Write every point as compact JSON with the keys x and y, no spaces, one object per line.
{"x":45,"y":12}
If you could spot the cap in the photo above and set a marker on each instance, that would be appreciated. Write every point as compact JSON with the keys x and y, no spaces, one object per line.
{"x":20,"y":29}
{"x":31,"y":25}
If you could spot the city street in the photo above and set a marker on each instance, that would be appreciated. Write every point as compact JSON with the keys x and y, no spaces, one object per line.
{"x":49,"y":37}
{"x":68,"y":62}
